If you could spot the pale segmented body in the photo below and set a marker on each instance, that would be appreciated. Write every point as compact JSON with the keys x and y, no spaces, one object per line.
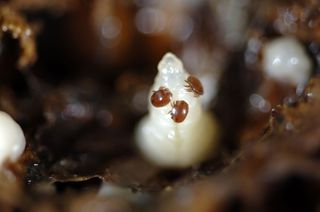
{"x":165,"y":141}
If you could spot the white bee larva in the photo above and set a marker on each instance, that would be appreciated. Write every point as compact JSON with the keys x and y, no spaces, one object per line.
{"x":12,"y":140}
{"x":177,"y":132}
{"x":285,"y":60}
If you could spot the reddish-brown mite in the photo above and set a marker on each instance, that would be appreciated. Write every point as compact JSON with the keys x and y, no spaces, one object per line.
{"x":161,"y":97}
{"x":179,"y":111}
{"x":194,"y":85}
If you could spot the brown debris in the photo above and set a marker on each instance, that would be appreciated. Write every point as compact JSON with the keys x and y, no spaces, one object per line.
{"x":55,"y":6}
{"x":298,"y":18}
{"x":13,"y":23}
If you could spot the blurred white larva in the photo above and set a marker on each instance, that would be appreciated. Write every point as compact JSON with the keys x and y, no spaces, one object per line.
{"x":285,"y":60}
{"x":12,"y":140}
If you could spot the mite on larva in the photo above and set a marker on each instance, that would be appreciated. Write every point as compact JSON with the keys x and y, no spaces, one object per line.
{"x":285,"y":60}
{"x":12,"y":140}
{"x":182,"y":133}
{"x":179,"y":111}
{"x":161,"y":97}
{"x":194,"y":85}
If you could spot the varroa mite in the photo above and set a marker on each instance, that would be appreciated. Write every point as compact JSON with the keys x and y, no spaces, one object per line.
{"x":161,"y":97}
{"x":179,"y":111}
{"x":194,"y":85}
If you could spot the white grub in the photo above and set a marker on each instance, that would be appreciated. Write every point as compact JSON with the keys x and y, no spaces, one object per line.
{"x":285,"y":60}
{"x":12,"y":140}
{"x":165,"y":142}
